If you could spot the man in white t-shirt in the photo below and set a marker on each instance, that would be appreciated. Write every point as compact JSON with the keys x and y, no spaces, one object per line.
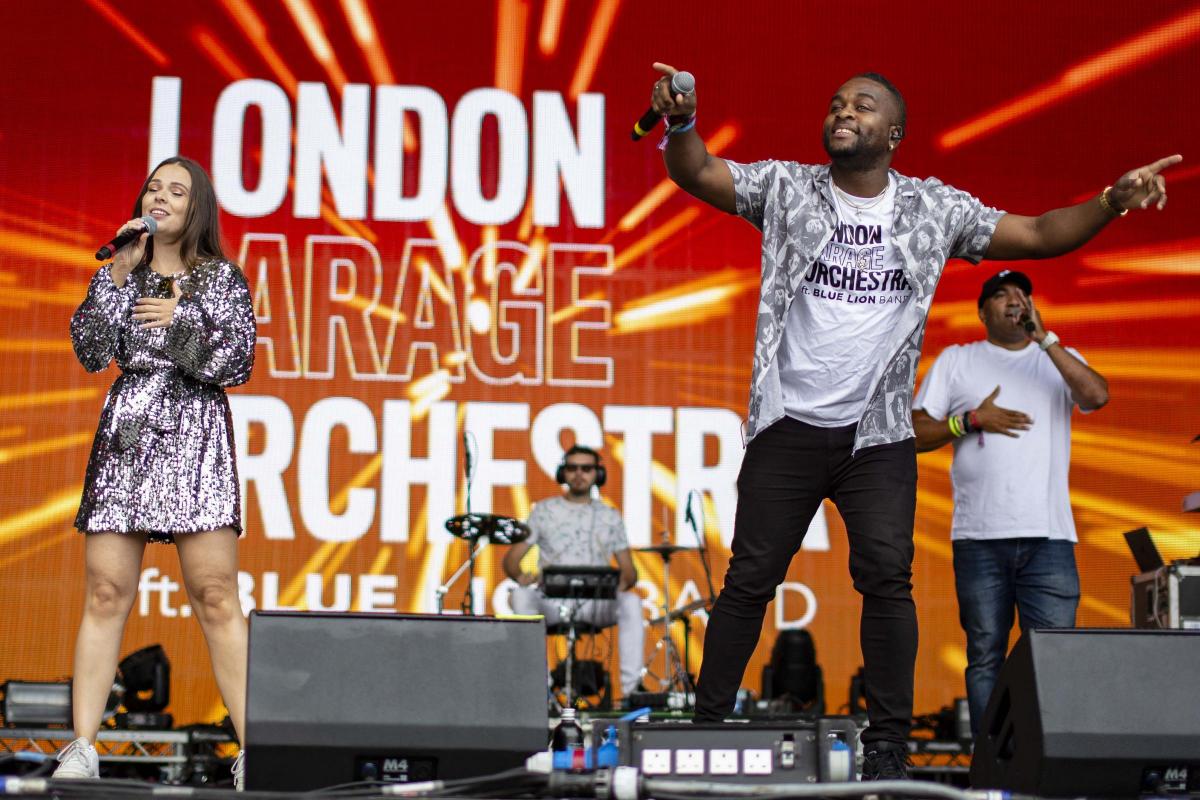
{"x":1012,"y":532}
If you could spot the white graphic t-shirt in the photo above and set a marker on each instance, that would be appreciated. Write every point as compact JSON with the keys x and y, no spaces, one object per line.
{"x":847,"y":305}
{"x":1005,"y":487}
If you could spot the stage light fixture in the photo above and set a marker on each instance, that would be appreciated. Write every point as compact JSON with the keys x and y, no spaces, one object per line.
{"x":37,"y":703}
{"x":793,"y":675}
{"x":146,"y":676}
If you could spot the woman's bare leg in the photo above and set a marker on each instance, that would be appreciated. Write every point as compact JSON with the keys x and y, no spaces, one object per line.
{"x":113,"y":564}
{"x":209,"y":564}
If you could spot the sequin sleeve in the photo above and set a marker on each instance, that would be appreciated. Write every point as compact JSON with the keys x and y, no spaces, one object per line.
{"x":96,"y":324}
{"x":212,"y":333}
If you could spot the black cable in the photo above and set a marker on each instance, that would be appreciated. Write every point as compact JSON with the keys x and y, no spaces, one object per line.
{"x":521,"y":788}
{"x":378,"y":789}
{"x":518,"y":778}
{"x":516,"y":772}
{"x":353,"y":789}
{"x":508,"y":773}
{"x":116,"y":789}
{"x":521,"y":782}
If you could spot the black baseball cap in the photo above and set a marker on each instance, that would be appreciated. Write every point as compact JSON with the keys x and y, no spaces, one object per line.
{"x":1018,"y":279}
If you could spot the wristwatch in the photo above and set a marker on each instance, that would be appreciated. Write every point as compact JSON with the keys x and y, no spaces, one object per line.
{"x":1050,"y":340}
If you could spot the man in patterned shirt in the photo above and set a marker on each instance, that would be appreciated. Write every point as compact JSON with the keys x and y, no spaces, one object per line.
{"x":851,"y":254}
{"x":576,"y":530}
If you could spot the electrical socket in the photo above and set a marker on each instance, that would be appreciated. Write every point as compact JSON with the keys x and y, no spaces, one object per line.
{"x":756,"y":762}
{"x":689,"y":762}
{"x":656,"y":762}
{"x":723,"y":762}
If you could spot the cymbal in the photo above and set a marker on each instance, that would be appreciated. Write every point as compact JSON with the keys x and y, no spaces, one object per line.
{"x":493,"y":527}
{"x":664,"y":549}
{"x":681,"y":612}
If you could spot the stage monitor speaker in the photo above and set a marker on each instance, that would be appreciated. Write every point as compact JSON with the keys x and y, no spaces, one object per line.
{"x":335,"y":698}
{"x":1093,"y":712}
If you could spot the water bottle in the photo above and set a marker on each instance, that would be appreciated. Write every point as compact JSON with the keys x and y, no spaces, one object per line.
{"x":567,"y":734}
{"x":841,"y":761}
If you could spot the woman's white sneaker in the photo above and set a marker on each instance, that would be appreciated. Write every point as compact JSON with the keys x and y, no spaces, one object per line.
{"x":79,"y":759}
{"x":239,"y":772}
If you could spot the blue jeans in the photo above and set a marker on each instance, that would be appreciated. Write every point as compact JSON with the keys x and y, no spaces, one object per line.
{"x":1035,"y":576}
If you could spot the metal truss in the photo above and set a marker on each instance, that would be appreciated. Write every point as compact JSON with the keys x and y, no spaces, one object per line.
{"x":171,"y":751}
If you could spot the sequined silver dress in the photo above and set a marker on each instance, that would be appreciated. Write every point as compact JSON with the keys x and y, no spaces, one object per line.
{"x":162,"y":461}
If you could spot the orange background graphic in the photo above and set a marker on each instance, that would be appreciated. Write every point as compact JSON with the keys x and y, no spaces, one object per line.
{"x":602,"y":304}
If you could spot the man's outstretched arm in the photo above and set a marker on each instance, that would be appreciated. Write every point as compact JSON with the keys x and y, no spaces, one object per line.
{"x":1065,"y":229}
{"x":688,"y":161}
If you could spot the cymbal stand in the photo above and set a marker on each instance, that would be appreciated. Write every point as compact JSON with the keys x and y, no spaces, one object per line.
{"x":675,"y":675}
{"x":467,"y":566}
{"x":476,"y":547}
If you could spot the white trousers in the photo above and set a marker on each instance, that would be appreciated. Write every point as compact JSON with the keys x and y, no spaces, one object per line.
{"x":625,"y":611}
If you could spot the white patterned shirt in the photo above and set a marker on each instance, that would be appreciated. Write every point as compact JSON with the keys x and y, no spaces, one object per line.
{"x":793,"y":205}
{"x":576,"y":534}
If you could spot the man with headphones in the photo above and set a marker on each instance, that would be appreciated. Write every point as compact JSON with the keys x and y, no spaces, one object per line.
{"x":575,"y":529}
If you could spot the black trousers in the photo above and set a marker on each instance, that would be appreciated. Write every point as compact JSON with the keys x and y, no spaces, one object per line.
{"x":787,"y":471}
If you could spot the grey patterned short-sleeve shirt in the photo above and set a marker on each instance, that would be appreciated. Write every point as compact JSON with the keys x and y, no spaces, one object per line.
{"x":792,"y":204}
{"x":576,"y":534}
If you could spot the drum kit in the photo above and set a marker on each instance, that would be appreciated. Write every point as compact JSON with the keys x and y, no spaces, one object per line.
{"x":480,"y":530}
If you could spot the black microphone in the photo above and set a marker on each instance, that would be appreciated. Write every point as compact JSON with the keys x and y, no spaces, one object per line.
{"x":126,"y":237}
{"x":1027,"y":323}
{"x":688,"y":518}
{"x":681,"y":83}
{"x":466,"y":455}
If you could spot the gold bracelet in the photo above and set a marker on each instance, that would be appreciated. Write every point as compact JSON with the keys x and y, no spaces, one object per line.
{"x":1108,"y":205}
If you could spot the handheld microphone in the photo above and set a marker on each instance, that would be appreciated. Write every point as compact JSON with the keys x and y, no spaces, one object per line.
{"x":681,"y":83}
{"x":126,"y":237}
{"x":1027,"y":323}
